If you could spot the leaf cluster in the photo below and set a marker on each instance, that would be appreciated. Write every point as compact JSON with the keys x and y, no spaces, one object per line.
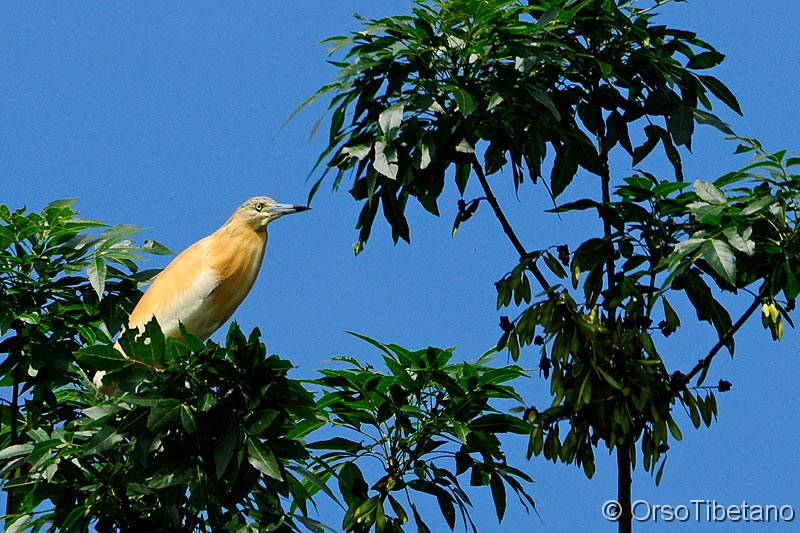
{"x":201,"y":436}
{"x":607,"y":376}
{"x":197,"y":435}
{"x":546,"y":90}
{"x":60,"y":287}
{"x":416,"y":97}
{"x":429,"y":423}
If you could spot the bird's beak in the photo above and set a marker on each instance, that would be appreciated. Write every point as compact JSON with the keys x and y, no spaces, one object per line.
{"x":278,"y":210}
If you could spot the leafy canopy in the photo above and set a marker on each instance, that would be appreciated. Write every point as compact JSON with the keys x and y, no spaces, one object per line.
{"x":546,"y":90}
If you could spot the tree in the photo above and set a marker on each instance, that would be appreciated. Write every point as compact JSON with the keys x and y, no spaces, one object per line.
{"x":548,"y":90}
{"x":429,"y":423}
{"x":209,"y":436}
{"x":198,"y":437}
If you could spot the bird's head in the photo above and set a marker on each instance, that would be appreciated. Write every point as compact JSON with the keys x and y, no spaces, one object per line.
{"x":260,"y":211}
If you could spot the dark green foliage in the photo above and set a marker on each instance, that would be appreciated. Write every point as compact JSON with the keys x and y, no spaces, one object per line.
{"x":417,"y":95}
{"x":202,"y":437}
{"x":432,"y":424}
{"x":197,"y":435}
{"x":607,"y":377}
{"x":204,"y":433}
{"x":467,"y":88}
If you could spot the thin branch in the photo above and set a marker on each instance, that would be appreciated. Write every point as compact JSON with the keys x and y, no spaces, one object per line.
{"x":706,"y":361}
{"x":605,"y":187}
{"x":11,"y":502}
{"x":507,"y":229}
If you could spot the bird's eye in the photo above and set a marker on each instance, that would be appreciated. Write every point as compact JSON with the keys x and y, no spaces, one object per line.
{"x":259,"y":206}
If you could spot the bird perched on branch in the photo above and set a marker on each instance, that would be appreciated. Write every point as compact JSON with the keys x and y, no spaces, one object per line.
{"x":204,"y":284}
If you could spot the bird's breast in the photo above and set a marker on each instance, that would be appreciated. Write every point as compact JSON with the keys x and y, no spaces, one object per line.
{"x":203,"y":286}
{"x":235,"y":259}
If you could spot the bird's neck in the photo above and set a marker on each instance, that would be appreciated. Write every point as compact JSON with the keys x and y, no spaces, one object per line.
{"x":239,"y":248}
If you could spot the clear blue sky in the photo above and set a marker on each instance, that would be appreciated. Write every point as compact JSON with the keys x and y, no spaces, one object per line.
{"x":166,"y":116}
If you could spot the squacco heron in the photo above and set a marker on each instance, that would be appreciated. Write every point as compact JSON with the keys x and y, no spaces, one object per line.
{"x":204,"y":284}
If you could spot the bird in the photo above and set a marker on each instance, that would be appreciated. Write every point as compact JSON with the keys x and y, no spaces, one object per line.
{"x":203,"y":286}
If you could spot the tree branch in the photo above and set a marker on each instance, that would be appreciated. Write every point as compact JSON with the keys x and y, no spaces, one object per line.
{"x":706,"y":361}
{"x":507,"y":229}
{"x":15,"y":353}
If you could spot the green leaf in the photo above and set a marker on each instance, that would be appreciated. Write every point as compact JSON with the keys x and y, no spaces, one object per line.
{"x":758,"y":205}
{"x":261,"y":457}
{"x":671,"y":317}
{"x":188,"y":419}
{"x":398,"y":509}
{"x":15,"y":450}
{"x":164,"y":416}
{"x":495,"y":100}
{"x":466,"y":102}
{"x":705,"y":60}
{"x":498,"y":495}
{"x":155,"y":248}
{"x":261,"y":420}
{"x":149,"y":348}
{"x":660,"y":471}
{"x":648,"y":345}
{"x":380,"y":516}
{"x":644,"y":150}
{"x":385,"y":160}
{"x":741,"y":242}
{"x":447,"y":508}
{"x":224,"y":448}
{"x":665,"y":188}
{"x":554,"y":265}
{"x":564,"y":168}
{"x":425,"y":153}
{"x":113,"y":235}
{"x":546,"y":100}
{"x":351,"y":483}
{"x":104,"y":440}
{"x":390,"y":120}
{"x":101,"y":357}
{"x":719,"y":256}
{"x":681,"y":126}
{"x":703,"y":117}
{"x":709,"y":193}
{"x":707,"y":307}
{"x":722,"y":92}
{"x":683,"y":249}
{"x":191,"y":340}
{"x":694,"y":413}
{"x":315,"y":480}
{"x":20,"y":524}
{"x":674,"y":429}
{"x":617,"y":129}
{"x":792,"y":287}
{"x":33,"y":318}
{"x":336,"y":443}
{"x":422,"y":527}
{"x":147,"y":399}
{"x":463,"y":171}
{"x":74,"y":517}
{"x":96,"y":271}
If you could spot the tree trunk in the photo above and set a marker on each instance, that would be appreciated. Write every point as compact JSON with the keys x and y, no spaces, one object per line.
{"x":624,"y":487}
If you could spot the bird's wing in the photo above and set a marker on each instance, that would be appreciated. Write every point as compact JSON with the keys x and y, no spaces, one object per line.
{"x":179,"y":293}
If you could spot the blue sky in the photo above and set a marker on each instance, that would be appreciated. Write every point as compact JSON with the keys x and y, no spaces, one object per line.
{"x":166,"y":116}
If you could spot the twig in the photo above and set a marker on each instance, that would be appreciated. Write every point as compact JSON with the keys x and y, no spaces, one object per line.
{"x":706,"y":360}
{"x":507,"y":229}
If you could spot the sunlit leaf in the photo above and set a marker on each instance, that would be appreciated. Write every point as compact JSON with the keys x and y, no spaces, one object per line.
{"x":708,"y":192}
{"x":262,"y":458}
{"x":719,"y":255}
